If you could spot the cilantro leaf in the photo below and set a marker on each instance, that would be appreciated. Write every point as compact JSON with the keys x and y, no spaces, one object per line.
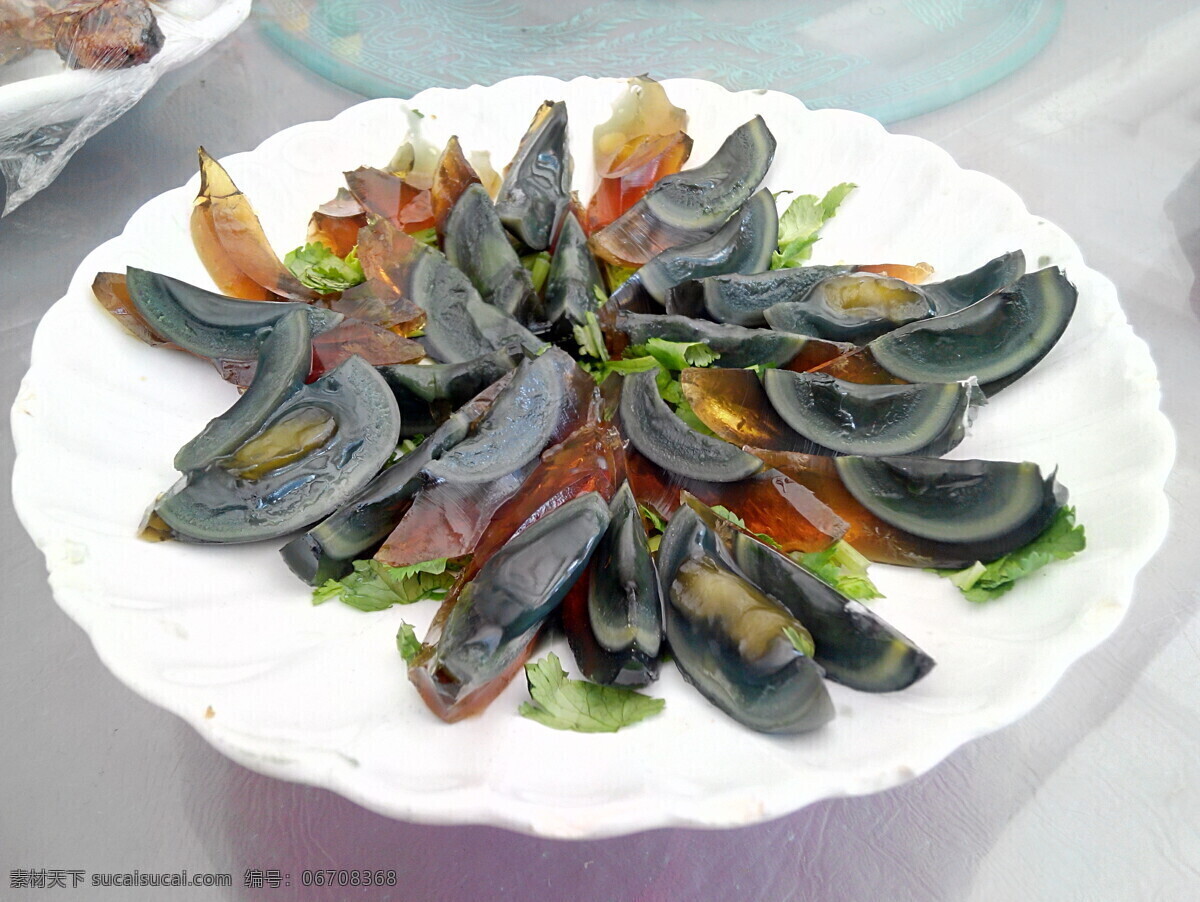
{"x":590,"y":339}
{"x":539,"y":268}
{"x":684,"y":411}
{"x":669,"y":387}
{"x":566,"y":704}
{"x":801,"y":223}
{"x":675,"y":355}
{"x":410,"y":444}
{"x":425,"y":236}
{"x":374,"y":586}
{"x":841,"y":566}
{"x":628,"y":365}
{"x":618,"y":275}
{"x":833,"y":198}
{"x":722,"y":511}
{"x":983,"y":582}
{"x":801,"y":641}
{"x":320,"y":269}
{"x":652,"y":517}
{"x":655,"y":524}
{"x":405,"y":448}
{"x":407,"y":642}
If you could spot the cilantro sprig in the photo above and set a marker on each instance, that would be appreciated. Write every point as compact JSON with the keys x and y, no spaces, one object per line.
{"x":427,"y":236}
{"x":539,"y":268}
{"x":800,"y":225}
{"x":981,"y":582}
{"x":320,"y":269}
{"x":577,"y":705}
{"x":407,"y":642}
{"x":655,"y":526}
{"x":673,"y":355}
{"x":374,"y":586}
{"x":801,"y":641}
{"x":840,"y":565}
{"x":668,"y":357}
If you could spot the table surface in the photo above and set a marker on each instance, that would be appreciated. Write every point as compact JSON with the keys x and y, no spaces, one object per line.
{"x":1093,"y":796}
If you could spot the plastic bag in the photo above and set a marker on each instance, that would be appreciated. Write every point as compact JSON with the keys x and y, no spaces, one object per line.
{"x":70,"y":67}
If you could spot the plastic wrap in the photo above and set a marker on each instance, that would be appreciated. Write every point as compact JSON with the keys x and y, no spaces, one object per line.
{"x":70,"y":67}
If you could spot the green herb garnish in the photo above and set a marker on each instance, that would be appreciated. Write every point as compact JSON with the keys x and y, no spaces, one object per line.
{"x":590,"y":339}
{"x":657,"y":526}
{"x":1060,"y":540}
{"x":374,"y":586}
{"x":567,"y":704}
{"x":407,"y":642}
{"x":801,"y":222}
{"x":618,"y":275}
{"x":405,"y":448}
{"x":841,"y":566}
{"x":425,"y":236}
{"x":674,"y":355}
{"x":320,"y":269}
{"x":409,"y":445}
{"x":539,"y":268}
{"x":802,"y":642}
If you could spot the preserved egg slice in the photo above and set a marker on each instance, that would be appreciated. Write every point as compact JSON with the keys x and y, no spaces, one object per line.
{"x":453,"y":176}
{"x":996,"y":340}
{"x":448,"y":517}
{"x":283,"y":364}
{"x":688,"y":206}
{"x":853,"y":645}
{"x":742,"y":299}
{"x":516,"y":429}
{"x":613,"y":619}
{"x":744,"y":244}
{"x":477,"y":244}
{"x":928,"y":418}
{"x":537,"y":184}
{"x":232,"y":244}
{"x":961,"y":501}
{"x":487,"y":625}
{"x":209,"y":324}
{"x":355,"y":432}
{"x":329,"y":549}
{"x":658,"y":433}
{"x":574,"y":286}
{"x":404,"y":204}
{"x":853,"y":307}
{"x":731,"y":641}
{"x":965,"y":290}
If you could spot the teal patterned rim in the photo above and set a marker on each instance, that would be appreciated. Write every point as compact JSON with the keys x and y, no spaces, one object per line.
{"x":890,"y":59}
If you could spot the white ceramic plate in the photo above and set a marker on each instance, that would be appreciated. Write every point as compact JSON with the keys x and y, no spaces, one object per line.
{"x":47,"y":111}
{"x":226,"y":637}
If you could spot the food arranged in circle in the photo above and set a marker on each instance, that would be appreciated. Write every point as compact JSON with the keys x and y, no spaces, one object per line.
{"x":642,"y":419}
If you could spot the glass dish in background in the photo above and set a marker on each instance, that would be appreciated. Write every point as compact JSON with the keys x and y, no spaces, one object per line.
{"x":889,"y":59}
